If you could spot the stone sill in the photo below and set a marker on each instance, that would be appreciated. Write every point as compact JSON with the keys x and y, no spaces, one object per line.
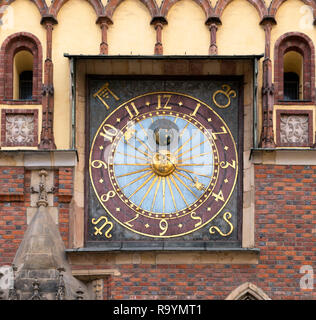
{"x":97,"y":256}
{"x":283,"y":156}
{"x":38,"y":159}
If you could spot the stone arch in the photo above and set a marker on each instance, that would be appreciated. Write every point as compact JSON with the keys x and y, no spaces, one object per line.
{"x":112,"y":5}
{"x":13,"y":44}
{"x":276,"y":4}
{"x":258,"y":4}
{"x":204,"y":4}
{"x":57,"y":5}
{"x":40,"y":5}
{"x":301,"y":43}
{"x":247,"y":291}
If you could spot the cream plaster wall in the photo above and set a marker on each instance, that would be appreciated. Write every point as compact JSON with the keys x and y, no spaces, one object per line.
{"x":131,"y":32}
{"x":240,"y":32}
{"x":186,"y":32}
{"x":23,"y":16}
{"x":75,"y":33}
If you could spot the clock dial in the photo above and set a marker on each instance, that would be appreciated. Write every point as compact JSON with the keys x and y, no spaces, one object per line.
{"x":163,"y":164}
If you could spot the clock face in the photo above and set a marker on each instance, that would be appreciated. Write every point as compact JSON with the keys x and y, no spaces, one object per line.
{"x":163,"y":164}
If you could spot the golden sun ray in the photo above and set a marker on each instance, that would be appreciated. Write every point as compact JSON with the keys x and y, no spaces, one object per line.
{"x":137,"y":179}
{"x":174,"y":202}
{"x":180,"y":192}
{"x":154,"y":200}
{"x":148,"y":190}
{"x":133,"y":172}
{"x":142,"y":185}
{"x":176,"y":176}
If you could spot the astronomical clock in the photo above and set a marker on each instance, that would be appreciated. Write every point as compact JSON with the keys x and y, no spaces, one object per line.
{"x":163,"y":164}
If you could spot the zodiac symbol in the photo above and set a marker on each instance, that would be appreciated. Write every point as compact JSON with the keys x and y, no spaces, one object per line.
{"x":227,"y":92}
{"x":227,"y":215}
{"x":106,"y":222}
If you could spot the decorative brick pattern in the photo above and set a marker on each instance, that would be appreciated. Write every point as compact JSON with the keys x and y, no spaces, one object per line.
{"x":65,"y":185}
{"x":11,"y":184}
{"x":12,"y":45}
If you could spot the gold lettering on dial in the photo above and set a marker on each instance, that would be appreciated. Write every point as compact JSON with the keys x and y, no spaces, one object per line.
{"x":194,"y":217}
{"x":129,"y":222}
{"x":98,"y":164}
{"x":214,"y":134}
{"x":168,"y":96}
{"x":108,"y":132}
{"x":224,"y":166}
{"x":106,"y":196}
{"x":134,"y":109}
{"x":218,"y":196}
{"x":163,"y":225}
{"x":193,"y":114}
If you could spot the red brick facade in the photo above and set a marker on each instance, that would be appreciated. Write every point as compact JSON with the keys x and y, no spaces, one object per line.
{"x":15,"y":199}
{"x":285,"y":218}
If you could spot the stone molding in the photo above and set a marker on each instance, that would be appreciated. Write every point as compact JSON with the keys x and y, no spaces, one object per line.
{"x":247,"y":288}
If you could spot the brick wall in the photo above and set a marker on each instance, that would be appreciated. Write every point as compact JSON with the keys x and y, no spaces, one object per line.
{"x":15,"y":198}
{"x":285,"y":233}
{"x":13,"y":204}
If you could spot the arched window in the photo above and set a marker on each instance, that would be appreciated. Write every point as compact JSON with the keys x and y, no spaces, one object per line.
{"x":294,"y":69}
{"x":25,"y":85}
{"x":293,"y":76}
{"x":21,"y":60}
{"x":23,"y":76}
{"x":247,"y":291}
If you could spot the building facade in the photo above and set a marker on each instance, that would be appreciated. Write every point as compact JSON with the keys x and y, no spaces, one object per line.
{"x":157,"y":149}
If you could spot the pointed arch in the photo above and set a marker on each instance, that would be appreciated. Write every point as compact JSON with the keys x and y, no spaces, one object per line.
{"x":258,"y":4}
{"x":204,"y":4}
{"x":276,"y":4}
{"x":57,"y":5}
{"x":247,"y":291}
{"x":112,"y":5}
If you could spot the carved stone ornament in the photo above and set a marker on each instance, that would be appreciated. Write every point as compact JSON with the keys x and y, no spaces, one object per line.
{"x":60,"y":295}
{"x":294,"y":129}
{"x":20,"y":129}
{"x":36,"y":293}
{"x":43,"y":190}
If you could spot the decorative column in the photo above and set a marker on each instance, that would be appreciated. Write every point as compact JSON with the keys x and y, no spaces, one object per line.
{"x":267,"y":134}
{"x":158,"y":23}
{"x":104,"y":23}
{"x":213,"y":23}
{"x":47,"y":135}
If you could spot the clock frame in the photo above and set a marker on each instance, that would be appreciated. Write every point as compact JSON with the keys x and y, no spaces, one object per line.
{"x":117,"y":209}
